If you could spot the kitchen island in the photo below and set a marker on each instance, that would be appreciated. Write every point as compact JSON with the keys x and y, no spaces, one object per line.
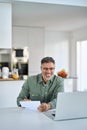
{"x":9,"y":90}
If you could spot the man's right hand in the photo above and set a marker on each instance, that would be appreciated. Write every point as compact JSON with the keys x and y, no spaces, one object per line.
{"x":25,"y":99}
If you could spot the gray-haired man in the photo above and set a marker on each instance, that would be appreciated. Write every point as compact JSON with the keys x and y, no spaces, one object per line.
{"x":43,"y":87}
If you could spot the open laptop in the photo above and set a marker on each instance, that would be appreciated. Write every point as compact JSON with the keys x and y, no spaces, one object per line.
{"x":70,"y":105}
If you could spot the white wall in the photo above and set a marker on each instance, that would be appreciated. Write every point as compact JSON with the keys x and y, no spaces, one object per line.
{"x":57,"y":46}
{"x":78,"y":35}
{"x":60,"y":45}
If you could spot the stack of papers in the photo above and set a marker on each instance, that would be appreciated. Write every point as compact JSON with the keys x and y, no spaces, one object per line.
{"x":32,"y":105}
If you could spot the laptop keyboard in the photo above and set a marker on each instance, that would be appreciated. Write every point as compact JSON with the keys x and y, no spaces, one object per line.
{"x":53,"y":115}
{"x":50,"y":113}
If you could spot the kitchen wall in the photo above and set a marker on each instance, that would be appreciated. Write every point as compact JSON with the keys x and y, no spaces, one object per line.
{"x":62,"y":46}
{"x":77,"y":35}
{"x":43,"y":43}
{"x":58,"y":44}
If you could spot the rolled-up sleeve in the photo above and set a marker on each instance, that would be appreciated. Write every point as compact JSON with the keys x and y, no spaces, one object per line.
{"x":24,"y":93}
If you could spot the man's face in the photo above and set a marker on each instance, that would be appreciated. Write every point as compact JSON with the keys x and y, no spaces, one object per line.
{"x":47,"y":71}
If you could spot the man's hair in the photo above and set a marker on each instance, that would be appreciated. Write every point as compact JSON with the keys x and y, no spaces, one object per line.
{"x":47,"y":60}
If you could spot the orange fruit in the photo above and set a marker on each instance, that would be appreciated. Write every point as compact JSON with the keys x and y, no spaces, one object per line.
{"x":15,"y":76}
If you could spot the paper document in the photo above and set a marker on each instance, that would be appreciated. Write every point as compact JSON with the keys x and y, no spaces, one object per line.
{"x":30,"y":104}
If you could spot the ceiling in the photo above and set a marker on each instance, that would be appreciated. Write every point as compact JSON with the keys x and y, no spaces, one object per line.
{"x":51,"y":16}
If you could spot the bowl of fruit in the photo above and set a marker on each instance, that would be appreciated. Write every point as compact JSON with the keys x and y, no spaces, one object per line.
{"x":62,"y":73}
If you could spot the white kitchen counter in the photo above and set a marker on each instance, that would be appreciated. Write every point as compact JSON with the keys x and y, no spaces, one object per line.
{"x":9,"y":91}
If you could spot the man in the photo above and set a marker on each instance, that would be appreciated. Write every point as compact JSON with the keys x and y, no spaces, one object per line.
{"x":43,"y":87}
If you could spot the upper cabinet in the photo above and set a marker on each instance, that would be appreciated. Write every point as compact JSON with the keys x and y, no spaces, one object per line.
{"x":5,"y":25}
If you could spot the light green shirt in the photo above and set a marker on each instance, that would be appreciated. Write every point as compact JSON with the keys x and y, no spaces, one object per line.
{"x":35,"y":89}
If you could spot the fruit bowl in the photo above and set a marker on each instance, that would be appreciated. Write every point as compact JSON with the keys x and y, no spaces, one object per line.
{"x":62,"y":73}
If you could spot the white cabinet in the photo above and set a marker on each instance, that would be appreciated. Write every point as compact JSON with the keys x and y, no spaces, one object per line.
{"x":69,"y":84}
{"x":9,"y":91}
{"x":36,"y":47}
{"x":5,"y":25}
{"x":19,"y":37}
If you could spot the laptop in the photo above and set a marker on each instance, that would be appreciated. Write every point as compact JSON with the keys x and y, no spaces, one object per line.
{"x":70,"y":105}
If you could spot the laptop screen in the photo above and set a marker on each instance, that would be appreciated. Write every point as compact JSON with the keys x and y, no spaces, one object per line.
{"x":70,"y":105}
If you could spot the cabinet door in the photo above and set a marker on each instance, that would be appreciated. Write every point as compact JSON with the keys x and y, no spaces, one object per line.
{"x":9,"y":90}
{"x":19,"y":36}
{"x":5,"y":25}
{"x":36,"y":46}
{"x":68,"y":85}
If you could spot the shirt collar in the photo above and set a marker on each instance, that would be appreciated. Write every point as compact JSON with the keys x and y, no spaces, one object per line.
{"x":40,"y":78}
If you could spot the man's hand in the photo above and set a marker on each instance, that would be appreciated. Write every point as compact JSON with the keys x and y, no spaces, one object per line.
{"x":44,"y":107}
{"x":25,"y":99}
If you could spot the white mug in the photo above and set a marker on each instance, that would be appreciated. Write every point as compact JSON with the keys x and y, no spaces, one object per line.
{"x":5,"y":72}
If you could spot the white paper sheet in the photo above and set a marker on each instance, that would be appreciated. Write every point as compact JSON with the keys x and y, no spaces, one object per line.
{"x":32,"y":105}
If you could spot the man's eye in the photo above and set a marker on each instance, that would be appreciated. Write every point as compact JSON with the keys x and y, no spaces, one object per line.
{"x":49,"y":69}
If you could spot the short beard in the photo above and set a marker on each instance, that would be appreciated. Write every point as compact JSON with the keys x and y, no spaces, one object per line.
{"x":50,"y":78}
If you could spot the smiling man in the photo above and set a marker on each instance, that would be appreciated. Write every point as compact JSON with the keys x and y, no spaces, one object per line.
{"x":43,"y":87}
